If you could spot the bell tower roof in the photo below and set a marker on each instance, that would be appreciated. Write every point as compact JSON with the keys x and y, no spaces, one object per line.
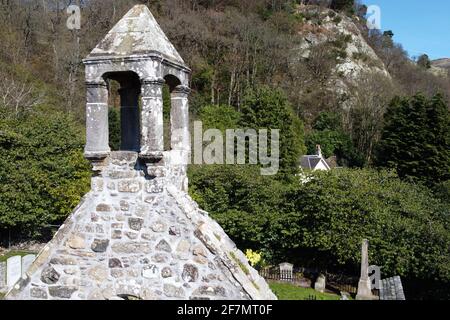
{"x":137,"y":33}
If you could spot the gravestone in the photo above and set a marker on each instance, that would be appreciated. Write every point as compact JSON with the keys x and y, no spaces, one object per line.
{"x":2,"y":275}
{"x":320,"y":284}
{"x":13,"y":270}
{"x":26,"y":262}
{"x":286,"y":271}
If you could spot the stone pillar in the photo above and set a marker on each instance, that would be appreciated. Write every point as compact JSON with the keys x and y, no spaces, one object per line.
{"x":364,"y":285}
{"x":129,"y":119}
{"x":97,"y":130}
{"x":152,"y":120}
{"x":179,"y":116}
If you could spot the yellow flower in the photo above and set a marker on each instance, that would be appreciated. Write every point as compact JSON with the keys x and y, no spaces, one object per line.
{"x":253,"y":257}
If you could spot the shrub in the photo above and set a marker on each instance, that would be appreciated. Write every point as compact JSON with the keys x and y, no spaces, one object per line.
{"x":42,"y":171}
{"x":322,"y":223}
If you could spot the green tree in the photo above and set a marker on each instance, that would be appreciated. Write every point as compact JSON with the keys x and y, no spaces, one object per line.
{"x":42,"y":171}
{"x":221,"y":117}
{"x":416,"y":139}
{"x":424,"y":61}
{"x":321,"y":223}
{"x":114,"y":128}
{"x":265,"y":108}
{"x":343,"y":5}
{"x":329,"y":134}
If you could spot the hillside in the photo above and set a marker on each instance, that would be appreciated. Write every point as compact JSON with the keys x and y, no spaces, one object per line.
{"x":441,"y":67}
{"x":442,"y":63}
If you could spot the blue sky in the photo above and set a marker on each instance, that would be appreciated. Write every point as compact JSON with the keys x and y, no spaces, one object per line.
{"x":420,"y":26}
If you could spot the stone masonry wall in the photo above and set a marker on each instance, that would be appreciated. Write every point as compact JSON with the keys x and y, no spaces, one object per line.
{"x":136,"y":235}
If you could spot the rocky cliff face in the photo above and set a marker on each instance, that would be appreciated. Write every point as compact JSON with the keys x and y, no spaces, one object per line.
{"x":354,"y":56}
{"x":441,"y":67}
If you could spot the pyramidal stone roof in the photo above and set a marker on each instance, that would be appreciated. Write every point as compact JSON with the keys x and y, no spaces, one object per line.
{"x":137,"y":33}
{"x":139,"y":237}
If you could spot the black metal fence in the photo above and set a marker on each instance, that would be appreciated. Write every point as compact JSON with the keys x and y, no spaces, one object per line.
{"x":277,"y":275}
{"x":334,"y":282}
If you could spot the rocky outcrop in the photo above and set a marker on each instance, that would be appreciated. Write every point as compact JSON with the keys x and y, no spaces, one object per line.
{"x":441,"y":67}
{"x":330,"y":26}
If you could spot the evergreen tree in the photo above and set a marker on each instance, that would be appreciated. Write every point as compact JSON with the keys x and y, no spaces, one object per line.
{"x":343,"y":5}
{"x":416,"y":139}
{"x":424,"y":61}
{"x":265,"y":108}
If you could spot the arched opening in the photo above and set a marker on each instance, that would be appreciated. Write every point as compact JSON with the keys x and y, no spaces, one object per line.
{"x":171,"y":82}
{"x":124,"y":110}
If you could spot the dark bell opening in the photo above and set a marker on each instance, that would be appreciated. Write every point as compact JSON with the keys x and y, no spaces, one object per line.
{"x":124,"y":98}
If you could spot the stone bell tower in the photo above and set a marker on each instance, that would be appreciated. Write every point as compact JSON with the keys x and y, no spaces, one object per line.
{"x":137,"y":234}
{"x":137,"y":54}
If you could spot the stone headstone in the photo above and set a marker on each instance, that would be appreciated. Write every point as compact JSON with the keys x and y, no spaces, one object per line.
{"x":286,"y":271}
{"x":2,"y":275}
{"x":320,"y":284}
{"x":26,"y":262}
{"x":13,"y":270}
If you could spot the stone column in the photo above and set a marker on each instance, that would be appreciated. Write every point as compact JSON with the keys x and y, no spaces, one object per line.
{"x":129,"y":119}
{"x":152,"y":120}
{"x":179,"y":116}
{"x":97,"y":130}
{"x":364,"y":285}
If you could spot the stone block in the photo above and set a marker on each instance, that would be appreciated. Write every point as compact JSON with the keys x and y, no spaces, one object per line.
{"x":38,"y":293}
{"x":129,"y":186}
{"x":154,"y":186}
{"x":150,"y":272}
{"x":172,"y":291}
{"x":103,"y":207}
{"x":131,"y":247}
{"x":76,"y":242}
{"x":135,"y":224}
{"x":61,"y":291}
{"x":163,"y":245}
{"x":100,"y":245}
{"x":190,"y":273}
{"x":49,"y":275}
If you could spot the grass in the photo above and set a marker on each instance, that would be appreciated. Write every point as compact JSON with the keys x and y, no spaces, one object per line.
{"x":286,"y":291}
{"x":12,"y":254}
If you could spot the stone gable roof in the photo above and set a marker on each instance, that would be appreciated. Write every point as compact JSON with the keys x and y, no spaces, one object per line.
{"x":139,"y":236}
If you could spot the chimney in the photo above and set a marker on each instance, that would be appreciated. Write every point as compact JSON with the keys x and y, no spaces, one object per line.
{"x":319,"y":150}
